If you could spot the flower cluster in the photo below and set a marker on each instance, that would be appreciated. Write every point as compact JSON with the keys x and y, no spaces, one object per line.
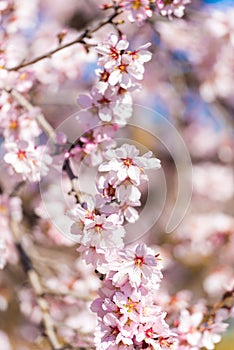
{"x":140,"y":10}
{"x":172,"y":7}
{"x":120,"y":66}
{"x":109,"y":105}
{"x":110,"y":99}
{"x":27,"y":159}
{"x":20,"y":130}
{"x":96,"y":230}
{"x":196,"y":325}
{"x":127,"y":316}
{"x":124,"y":173}
{"x":99,"y":223}
{"x":194,"y":332}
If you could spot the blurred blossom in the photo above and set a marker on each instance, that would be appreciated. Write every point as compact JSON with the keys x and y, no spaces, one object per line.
{"x":209,"y":180}
{"x":200,"y":235}
{"x":5,"y":341}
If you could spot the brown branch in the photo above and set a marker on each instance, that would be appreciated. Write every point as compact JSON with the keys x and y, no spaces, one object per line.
{"x":17,"y":188}
{"x":35,"y":282}
{"x":80,"y":40}
{"x":69,"y":293}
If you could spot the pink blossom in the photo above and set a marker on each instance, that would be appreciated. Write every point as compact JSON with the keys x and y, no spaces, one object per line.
{"x":125,"y":71}
{"x":153,"y":331}
{"x":111,"y":51}
{"x":139,"y":10}
{"x":96,"y":230}
{"x":112,"y":104}
{"x":128,"y":164}
{"x":20,"y":127}
{"x":92,"y":145}
{"x":28,"y":160}
{"x":122,"y":66}
{"x":172,"y":7}
{"x":4,"y":339}
{"x":138,"y":266}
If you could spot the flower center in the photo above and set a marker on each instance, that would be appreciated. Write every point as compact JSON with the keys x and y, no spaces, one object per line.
{"x":165,"y":342}
{"x":115,"y":331}
{"x":103,"y":101}
{"x":121,"y":90}
{"x":110,"y":191}
{"x":134,"y":55}
{"x":89,"y":214}
{"x":149,"y":332}
{"x":13,"y":125}
{"x":131,"y":305}
{"x":114,"y":53}
{"x":139,"y":260}
{"x":98,"y":228}
{"x":23,"y":76}
{"x":21,"y":155}
{"x":127,"y":162}
{"x":3,"y":209}
{"x":136,"y":4}
{"x":123,"y":68}
{"x":104,"y":76}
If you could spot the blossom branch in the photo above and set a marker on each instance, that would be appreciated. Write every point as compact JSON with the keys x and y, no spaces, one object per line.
{"x":50,"y":132}
{"x":226,"y":302}
{"x":80,"y":40}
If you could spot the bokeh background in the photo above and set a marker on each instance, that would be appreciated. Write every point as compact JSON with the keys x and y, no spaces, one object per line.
{"x":189,"y":84}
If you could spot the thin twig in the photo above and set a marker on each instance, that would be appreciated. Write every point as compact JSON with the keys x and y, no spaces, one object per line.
{"x":86,"y":34}
{"x":73,"y":178}
{"x":17,"y":188}
{"x":68,"y":293}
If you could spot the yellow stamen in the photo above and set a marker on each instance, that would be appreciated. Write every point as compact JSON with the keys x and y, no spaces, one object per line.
{"x":23,"y":76}
{"x":3,"y":209}
{"x":13,"y":125}
{"x":136,"y":5}
{"x":21,"y":155}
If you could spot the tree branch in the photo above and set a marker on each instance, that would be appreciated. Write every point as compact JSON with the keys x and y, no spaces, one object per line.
{"x":35,"y":282}
{"x":86,"y":34}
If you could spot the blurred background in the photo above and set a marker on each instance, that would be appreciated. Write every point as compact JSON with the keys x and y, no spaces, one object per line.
{"x":188,"y":86}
